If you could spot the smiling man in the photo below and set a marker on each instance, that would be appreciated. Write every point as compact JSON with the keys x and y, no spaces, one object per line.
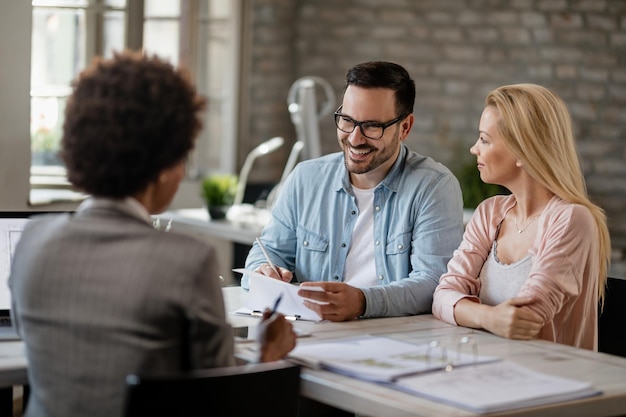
{"x":373,"y":225}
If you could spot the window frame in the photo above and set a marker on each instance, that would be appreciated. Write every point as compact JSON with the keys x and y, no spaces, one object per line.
{"x":51,"y":177}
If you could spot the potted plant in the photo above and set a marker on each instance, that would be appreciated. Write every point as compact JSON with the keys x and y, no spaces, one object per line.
{"x":45,"y":146}
{"x":219,"y":191}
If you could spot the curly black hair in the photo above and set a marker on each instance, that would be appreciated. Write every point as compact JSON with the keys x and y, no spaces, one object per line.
{"x":128,"y":118}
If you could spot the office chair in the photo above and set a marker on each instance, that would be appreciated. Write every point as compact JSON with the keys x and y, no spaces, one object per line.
{"x":271,"y":389}
{"x":611,"y":319}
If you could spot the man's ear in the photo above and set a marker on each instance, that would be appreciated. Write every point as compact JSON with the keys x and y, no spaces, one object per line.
{"x":406,"y":125}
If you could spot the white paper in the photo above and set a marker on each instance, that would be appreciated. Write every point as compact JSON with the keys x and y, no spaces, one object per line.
{"x":265,"y":290}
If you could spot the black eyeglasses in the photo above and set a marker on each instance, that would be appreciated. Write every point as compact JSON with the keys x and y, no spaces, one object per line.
{"x":371,"y":130}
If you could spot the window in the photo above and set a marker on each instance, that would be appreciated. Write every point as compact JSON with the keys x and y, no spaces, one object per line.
{"x":200,"y":34}
{"x":213,"y":33}
{"x":161,"y":29}
{"x":65,"y":37}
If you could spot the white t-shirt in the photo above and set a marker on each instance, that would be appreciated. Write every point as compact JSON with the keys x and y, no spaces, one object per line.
{"x":360,"y":269}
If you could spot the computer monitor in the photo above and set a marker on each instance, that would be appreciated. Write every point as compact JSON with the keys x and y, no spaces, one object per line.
{"x":11,"y":226}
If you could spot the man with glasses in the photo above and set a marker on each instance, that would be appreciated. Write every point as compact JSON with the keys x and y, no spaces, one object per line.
{"x":374,"y":225}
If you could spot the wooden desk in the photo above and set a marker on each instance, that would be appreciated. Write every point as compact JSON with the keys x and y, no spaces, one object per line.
{"x":606,"y":372}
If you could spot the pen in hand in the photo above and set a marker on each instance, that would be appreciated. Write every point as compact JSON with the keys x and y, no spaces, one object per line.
{"x":267,"y":258}
{"x":268,"y":322}
{"x":276,"y":303}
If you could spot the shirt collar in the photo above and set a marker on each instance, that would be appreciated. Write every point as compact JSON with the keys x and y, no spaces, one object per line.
{"x":128,"y":205}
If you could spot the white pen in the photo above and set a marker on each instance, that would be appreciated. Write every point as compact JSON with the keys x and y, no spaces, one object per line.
{"x":267,"y":258}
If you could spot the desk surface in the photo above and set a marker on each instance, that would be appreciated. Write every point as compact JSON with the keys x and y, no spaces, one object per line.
{"x":12,"y":364}
{"x":606,"y":372}
{"x":198,"y":220}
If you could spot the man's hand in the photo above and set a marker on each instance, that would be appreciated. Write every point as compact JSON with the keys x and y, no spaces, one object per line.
{"x":512,"y":319}
{"x":341,"y":301}
{"x":285,"y":274}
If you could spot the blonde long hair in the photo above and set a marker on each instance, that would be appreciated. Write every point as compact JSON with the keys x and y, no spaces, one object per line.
{"x":536,"y":126}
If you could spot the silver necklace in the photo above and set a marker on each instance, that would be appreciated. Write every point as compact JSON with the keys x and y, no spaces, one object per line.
{"x":528,"y":223}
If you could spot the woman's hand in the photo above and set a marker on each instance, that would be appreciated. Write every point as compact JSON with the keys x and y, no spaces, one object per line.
{"x":276,"y":336}
{"x":512,"y":319}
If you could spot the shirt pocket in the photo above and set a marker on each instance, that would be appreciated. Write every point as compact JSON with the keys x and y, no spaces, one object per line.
{"x":309,"y":241}
{"x":399,"y":244}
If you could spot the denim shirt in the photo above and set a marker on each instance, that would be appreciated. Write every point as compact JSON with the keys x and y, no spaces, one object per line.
{"x":418,"y":223}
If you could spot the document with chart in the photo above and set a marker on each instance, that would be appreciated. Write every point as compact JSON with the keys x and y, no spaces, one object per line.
{"x":497,"y":386}
{"x":381,"y":359}
{"x":459,"y":377}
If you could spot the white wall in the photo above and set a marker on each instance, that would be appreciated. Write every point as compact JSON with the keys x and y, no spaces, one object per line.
{"x":15,"y":34}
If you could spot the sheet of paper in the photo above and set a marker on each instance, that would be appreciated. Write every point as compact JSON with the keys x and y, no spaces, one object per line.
{"x":264,"y":291}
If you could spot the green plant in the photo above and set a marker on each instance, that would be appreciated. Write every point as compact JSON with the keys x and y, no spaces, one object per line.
{"x":473,"y":188}
{"x":219,"y":189}
{"x":45,"y":140}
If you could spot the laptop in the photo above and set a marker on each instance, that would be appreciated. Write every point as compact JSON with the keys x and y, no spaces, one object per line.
{"x":11,"y":225}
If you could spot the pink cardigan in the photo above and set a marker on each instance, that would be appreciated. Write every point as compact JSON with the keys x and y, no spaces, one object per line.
{"x":563,"y":278}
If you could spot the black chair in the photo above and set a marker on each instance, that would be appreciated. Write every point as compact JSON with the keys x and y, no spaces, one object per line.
{"x":612,"y":319}
{"x":266,"y":389}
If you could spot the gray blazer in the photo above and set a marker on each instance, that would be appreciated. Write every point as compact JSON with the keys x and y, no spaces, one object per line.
{"x":101,"y":294}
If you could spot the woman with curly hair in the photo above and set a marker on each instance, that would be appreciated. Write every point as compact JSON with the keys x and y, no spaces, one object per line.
{"x":101,"y":293}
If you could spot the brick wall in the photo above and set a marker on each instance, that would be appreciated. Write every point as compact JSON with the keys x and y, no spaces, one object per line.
{"x":456,"y":50}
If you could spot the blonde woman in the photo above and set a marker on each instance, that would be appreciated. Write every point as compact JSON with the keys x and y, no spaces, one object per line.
{"x":532,"y":264}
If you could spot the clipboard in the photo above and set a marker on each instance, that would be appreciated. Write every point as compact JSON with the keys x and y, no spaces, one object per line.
{"x":264,"y":291}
